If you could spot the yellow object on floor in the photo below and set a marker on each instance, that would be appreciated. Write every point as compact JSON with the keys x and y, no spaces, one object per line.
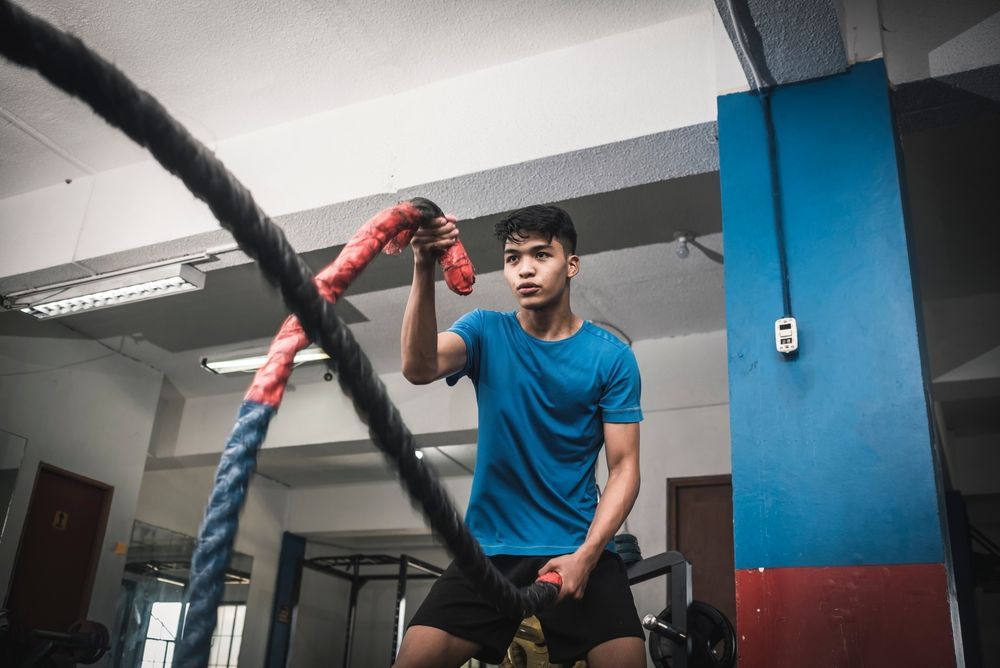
{"x":529,"y":650}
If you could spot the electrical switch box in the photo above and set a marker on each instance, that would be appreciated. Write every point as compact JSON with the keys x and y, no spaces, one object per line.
{"x":786,"y":335}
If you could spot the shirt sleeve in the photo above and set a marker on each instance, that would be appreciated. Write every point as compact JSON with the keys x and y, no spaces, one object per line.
{"x":620,"y":401}
{"x":470,"y":328}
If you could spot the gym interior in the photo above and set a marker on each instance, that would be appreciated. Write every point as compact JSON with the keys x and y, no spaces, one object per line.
{"x":787,"y":208}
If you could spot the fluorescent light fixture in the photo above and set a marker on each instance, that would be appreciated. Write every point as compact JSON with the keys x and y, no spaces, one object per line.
{"x":249,"y":363}
{"x":104,"y":291}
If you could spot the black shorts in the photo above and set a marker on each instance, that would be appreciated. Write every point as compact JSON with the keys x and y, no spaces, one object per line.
{"x":571,"y":628}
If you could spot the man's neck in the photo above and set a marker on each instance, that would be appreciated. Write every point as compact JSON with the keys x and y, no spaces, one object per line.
{"x":550,"y":324}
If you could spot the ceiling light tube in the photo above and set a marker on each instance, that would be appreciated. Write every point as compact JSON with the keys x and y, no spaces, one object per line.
{"x":249,"y":363}
{"x":110,"y":290}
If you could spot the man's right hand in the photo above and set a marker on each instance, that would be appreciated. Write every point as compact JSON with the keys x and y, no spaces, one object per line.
{"x":427,"y":354}
{"x":434,"y":238}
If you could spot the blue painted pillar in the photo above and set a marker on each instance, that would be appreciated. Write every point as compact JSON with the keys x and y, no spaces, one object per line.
{"x":838,"y":538}
{"x":286,"y":597}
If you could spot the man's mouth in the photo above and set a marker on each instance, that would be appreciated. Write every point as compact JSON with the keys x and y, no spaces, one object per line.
{"x":526,"y":289}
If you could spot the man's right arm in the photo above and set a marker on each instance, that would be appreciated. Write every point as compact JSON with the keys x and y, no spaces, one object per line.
{"x":427,"y":354}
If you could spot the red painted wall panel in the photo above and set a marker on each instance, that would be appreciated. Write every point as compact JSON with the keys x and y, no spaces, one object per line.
{"x":845,"y":617}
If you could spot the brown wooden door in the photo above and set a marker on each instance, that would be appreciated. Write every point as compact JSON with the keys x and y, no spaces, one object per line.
{"x":700,"y":526}
{"x":59,"y":550}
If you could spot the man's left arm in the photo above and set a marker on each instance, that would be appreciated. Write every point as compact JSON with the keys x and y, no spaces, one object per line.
{"x":621,"y":445}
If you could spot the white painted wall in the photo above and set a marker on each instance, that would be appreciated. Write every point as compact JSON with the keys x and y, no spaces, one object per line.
{"x":11,"y":453}
{"x":11,"y":450}
{"x":93,"y":418}
{"x":319,"y":413}
{"x":318,"y":638}
{"x":729,"y":77}
{"x":628,"y":85}
{"x":860,"y":29}
{"x":175,"y":499}
{"x":320,"y":620}
{"x":369,"y":509}
{"x":926,"y":38}
{"x":974,"y":463}
{"x":685,"y":400}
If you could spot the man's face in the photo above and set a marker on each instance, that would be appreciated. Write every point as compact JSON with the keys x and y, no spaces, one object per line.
{"x":538,"y":270}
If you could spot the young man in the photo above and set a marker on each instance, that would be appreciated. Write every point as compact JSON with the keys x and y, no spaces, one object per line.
{"x":552,"y":389}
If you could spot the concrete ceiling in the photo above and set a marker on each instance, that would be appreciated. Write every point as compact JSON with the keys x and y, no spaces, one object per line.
{"x":226,"y":70}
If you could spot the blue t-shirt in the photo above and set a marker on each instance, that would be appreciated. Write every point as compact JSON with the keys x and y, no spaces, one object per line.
{"x":542,"y":409}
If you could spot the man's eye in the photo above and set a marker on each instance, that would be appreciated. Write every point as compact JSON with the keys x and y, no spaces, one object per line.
{"x":511,"y":258}
{"x":542,"y":254}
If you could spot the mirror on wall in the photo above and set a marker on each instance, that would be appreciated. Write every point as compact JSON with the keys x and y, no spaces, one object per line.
{"x":12,"y":449}
{"x":151,"y":604}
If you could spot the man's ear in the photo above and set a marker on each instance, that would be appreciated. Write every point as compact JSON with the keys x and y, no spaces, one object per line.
{"x":574,"y":265}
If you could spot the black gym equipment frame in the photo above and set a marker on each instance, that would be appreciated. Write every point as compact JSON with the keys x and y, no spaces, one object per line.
{"x":678,"y":572}
{"x":348,"y":567}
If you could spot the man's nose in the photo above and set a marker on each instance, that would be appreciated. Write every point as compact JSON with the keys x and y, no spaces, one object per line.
{"x":525,"y":269}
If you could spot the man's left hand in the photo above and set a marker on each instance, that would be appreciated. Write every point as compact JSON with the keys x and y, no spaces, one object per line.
{"x":574,"y":569}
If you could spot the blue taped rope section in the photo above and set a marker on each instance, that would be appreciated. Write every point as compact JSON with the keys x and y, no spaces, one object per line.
{"x":218,"y":530}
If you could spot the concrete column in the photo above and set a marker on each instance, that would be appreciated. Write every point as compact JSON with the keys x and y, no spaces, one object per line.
{"x":840,"y":556}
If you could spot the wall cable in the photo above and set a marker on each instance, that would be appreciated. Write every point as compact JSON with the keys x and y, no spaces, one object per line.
{"x":763,"y":90}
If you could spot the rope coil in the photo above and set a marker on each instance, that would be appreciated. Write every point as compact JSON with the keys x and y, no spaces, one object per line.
{"x":70,"y":65}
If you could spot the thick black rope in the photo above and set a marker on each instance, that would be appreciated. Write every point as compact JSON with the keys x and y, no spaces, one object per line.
{"x":72,"y":66}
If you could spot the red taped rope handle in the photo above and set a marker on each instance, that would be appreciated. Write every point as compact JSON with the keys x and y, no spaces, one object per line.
{"x":390,"y":229}
{"x":459,"y":273}
{"x":552,"y":577}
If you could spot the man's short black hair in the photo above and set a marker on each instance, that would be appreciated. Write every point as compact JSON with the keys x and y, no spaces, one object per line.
{"x":550,"y":220}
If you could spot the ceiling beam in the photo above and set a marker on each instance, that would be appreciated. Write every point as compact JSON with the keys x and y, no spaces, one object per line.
{"x":784,"y":41}
{"x":648,"y":159}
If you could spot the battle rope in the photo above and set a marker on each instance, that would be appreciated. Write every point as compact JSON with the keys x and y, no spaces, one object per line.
{"x":69,"y":64}
{"x":390,"y":230}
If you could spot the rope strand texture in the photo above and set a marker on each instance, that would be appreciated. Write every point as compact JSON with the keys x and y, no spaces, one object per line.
{"x":70,"y":65}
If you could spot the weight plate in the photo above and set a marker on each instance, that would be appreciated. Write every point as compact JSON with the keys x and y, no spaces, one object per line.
{"x":711,"y":639}
{"x":93,"y":639}
{"x":631,"y":558}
